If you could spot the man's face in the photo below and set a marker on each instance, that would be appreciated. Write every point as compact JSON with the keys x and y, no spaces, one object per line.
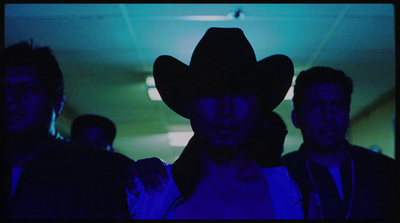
{"x":324,"y":117}
{"x":224,"y":121}
{"x":28,"y":106}
{"x":95,"y":136}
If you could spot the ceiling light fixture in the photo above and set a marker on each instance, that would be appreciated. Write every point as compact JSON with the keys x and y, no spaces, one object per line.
{"x":153,"y":94}
{"x":150,"y":81}
{"x":289,"y":94}
{"x":179,"y":138}
{"x":152,"y":91}
{"x":204,"y":18}
{"x":237,"y":14}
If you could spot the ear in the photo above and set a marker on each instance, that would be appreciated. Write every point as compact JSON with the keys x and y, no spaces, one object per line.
{"x":59,"y":104}
{"x":294,"y":118}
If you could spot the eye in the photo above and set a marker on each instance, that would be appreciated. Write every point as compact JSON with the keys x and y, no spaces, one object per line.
{"x":339,"y":105}
{"x":317,"y":105}
{"x":239,"y":95}
{"x":7,"y":86}
{"x":30,"y":89}
{"x":242,"y":94}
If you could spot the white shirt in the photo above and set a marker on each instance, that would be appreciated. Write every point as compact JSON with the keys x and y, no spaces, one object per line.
{"x":15,"y":174}
{"x":284,"y":192}
{"x":335,"y":172}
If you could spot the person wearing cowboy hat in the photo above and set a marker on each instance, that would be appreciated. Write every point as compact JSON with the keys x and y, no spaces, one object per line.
{"x":224,"y":92}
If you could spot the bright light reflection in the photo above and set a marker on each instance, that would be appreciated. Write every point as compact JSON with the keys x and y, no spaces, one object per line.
{"x":179,"y":138}
{"x":289,"y":94}
{"x":206,"y":18}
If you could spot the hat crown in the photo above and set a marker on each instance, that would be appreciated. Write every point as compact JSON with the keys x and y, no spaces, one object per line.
{"x":223,"y":50}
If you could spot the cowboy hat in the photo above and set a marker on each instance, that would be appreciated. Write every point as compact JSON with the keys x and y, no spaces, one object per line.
{"x":223,"y":61}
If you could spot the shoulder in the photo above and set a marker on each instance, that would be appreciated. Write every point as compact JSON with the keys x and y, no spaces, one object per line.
{"x":280,"y":171}
{"x":290,"y":156}
{"x":291,"y":160}
{"x":363,"y":155}
{"x":377,"y":168}
{"x":145,"y":206}
{"x":285,"y":193}
{"x":279,"y":179}
{"x":91,"y":151}
{"x":88,"y":156}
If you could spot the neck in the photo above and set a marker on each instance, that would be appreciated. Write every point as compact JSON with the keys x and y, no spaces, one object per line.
{"x":328,"y":158}
{"x":239,"y":166}
{"x":19,"y":150}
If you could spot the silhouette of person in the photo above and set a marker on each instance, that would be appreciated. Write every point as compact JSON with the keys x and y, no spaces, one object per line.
{"x":266,"y":149}
{"x":95,"y":130}
{"x":350,"y":182}
{"x":224,"y":92}
{"x":268,"y":140}
{"x":46,"y":176}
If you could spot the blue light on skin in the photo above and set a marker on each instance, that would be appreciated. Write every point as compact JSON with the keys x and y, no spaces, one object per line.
{"x":324,"y":117}
{"x":234,"y":186}
{"x":28,"y":105}
{"x":30,"y":113}
{"x":226,"y":120}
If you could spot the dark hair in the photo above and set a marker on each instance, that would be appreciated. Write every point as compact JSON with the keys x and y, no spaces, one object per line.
{"x":273,"y":122}
{"x":266,"y":143}
{"x":84,"y":121}
{"x":316,"y":75}
{"x":41,"y":60}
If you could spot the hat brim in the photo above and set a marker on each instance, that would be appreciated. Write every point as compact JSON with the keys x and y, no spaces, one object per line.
{"x":273,"y":79}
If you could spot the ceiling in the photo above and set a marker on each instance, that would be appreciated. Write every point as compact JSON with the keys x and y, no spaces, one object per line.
{"x":106,"y":51}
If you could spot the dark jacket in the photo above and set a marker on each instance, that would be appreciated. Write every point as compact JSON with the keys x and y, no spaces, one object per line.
{"x":69,"y":181}
{"x":374,"y":188}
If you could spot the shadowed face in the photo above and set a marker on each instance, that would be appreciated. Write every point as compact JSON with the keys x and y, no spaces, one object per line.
{"x":95,"y":136}
{"x":324,"y":117}
{"x":29,"y":109}
{"x":224,"y":121}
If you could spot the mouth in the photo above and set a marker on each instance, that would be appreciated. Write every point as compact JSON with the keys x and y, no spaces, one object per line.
{"x":224,"y":129}
{"x":11,"y":114}
{"x":15,"y":110}
{"x":328,"y":132}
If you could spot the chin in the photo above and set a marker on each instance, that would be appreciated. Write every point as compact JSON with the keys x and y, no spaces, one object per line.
{"x":225,"y":144}
{"x":222,"y":152}
{"x":327,"y":146}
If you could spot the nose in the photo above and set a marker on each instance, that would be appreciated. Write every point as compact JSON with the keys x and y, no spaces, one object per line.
{"x":328,"y":112}
{"x":225,"y":107}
